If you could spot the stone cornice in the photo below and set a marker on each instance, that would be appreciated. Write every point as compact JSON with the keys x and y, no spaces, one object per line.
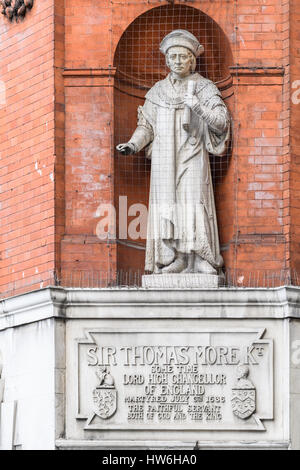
{"x":254,"y":75}
{"x":256,"y":71}
{"x":89,"y":77}
{"x":235,"y":303}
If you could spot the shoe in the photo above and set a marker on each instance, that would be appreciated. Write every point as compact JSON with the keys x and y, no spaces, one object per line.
{"x":176,"y":267}
{"x":204,"y":267}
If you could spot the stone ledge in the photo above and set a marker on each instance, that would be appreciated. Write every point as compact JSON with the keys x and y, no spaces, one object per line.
{"x":223,"y":302}
{"x":69,"y":444}
{"x":181,"y":281}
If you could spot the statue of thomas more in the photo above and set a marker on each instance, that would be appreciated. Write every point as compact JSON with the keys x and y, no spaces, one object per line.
{"x":183,"y":120}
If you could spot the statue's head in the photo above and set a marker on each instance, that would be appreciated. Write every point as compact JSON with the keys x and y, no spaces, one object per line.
{"x":181,"y":49}
{"x":180,"y":60}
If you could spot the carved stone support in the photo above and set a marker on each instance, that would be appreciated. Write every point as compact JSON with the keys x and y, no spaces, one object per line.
{"x":15,"y":8}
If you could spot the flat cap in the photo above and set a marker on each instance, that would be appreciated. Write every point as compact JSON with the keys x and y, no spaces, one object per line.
{"x":183,"y":38}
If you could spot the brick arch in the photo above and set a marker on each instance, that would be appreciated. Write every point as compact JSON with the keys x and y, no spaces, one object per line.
{"x":139,"y":64}
{"x":148,"y":29}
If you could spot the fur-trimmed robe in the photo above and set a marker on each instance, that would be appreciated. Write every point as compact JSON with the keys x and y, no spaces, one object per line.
{"x":182,"y":214}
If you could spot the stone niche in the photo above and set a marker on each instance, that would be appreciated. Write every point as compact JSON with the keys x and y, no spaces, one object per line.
{"x":139,"y":64}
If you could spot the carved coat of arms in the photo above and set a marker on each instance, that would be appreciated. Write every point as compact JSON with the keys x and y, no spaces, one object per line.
{"x":105,"y":395}
{"x":243,"y":399}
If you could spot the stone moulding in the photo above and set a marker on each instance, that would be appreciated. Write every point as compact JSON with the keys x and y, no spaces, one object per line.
{"x":244,"y":76}
{"x":235,"y":303}
{"x":72,"y":444}
{"x":15,"y":8}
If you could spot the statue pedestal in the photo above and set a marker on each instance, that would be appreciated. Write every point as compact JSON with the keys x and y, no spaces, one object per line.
{"x":175,"y":358}
{"x":182,"y":281}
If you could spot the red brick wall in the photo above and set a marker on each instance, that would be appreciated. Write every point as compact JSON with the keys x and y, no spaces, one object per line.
{"x":261,"y":143}
{"x":27,"y":146}
{"x":294,"y":200}
{"x":59,"y":117}
{"x":58,"y":158}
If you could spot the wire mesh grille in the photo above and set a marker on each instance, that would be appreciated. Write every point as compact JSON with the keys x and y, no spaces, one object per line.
{"x":139,"y":65}
{"x":132,"y":279}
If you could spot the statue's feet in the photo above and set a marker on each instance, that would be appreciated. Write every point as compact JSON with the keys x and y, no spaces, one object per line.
{"x":190,"y":264}
{"x":176,"y":267}
{"x":157,"y":270}
{"x":203,"y":266}
{"x":188,"y":269}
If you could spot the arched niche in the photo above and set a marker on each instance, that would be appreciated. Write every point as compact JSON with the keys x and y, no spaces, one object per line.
{"x":139,"y":64}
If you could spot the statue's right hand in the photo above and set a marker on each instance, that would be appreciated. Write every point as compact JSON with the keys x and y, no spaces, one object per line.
{"x":125,"y":149}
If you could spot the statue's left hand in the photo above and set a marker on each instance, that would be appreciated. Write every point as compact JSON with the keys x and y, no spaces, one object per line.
{"x":190,"y":100}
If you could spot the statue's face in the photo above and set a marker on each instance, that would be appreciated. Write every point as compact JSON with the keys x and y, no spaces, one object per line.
{"x":179,"y":60}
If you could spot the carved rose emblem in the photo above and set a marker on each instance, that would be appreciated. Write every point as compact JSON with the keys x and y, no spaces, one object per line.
{"x":15,"y":8}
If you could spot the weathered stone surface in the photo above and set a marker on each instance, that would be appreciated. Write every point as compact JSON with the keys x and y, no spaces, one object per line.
{"x":225,"y":360}
{"x":181,"y":281}
{"x":185,"y":379}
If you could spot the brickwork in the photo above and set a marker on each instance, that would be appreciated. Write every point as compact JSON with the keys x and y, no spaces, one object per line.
{"x":27,"y":141}
{"x":58,"y":130}
{"x":294,"y":195}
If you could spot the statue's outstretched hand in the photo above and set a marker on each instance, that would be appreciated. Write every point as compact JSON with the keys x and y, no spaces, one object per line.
{"x":126,"y":149}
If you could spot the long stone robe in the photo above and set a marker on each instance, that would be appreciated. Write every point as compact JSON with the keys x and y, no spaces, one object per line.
{"x":182,"y":216}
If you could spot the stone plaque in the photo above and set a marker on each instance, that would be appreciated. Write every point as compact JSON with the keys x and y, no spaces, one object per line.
{"x":186,"y":380}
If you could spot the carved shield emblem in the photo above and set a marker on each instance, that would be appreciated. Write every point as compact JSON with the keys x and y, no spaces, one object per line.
{"x":243,"y":402}
{"x":105,"y":402}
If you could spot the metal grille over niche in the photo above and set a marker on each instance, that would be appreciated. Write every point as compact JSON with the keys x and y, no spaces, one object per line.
{"x":139,"y":64}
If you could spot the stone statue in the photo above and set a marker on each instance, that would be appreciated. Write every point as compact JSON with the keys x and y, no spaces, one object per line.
{"x":182,"y":121}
